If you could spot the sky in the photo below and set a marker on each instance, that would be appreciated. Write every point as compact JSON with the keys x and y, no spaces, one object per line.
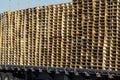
{"x":24,"y":4}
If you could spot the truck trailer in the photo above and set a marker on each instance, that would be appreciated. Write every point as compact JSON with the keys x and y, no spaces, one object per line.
{"x":69,"y":41}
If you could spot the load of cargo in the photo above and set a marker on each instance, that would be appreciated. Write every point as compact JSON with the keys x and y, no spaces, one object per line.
{"x":84,"y":34}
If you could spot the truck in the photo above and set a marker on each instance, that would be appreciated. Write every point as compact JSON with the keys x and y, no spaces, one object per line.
{"x":69,"y":41}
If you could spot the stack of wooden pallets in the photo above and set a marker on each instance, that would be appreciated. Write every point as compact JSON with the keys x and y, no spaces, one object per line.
{"x":83,"y":34}
{"x":98,"y":20}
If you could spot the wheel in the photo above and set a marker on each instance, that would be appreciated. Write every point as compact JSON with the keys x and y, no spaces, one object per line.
{"x":2,"y":76}
{"x":18,"y":78}
{"x":78,"y":77}
{"x":44,"y":76}
{"x":8,"y":76}
{"x":61,"y":77}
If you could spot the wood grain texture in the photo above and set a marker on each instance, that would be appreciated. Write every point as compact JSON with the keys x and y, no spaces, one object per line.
{"x":82,"y":34}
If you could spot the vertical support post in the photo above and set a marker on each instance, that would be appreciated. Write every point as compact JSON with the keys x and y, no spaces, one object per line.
{"x":28,"y":2}
{"x":18,"y":4}
{"x":9,"y":5}
{"x":51,"y":2}
{"x":38,"y":3}
{"x":63,"y":1}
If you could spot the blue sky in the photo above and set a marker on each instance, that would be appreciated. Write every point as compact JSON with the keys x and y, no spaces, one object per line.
{"x":24,"y":5}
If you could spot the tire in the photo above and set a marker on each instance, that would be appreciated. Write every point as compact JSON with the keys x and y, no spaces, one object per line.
{"x":8,"y":76}
{"x":16,"y":78}
{"x":61,"y":77}
{"x":78,"y":78}
{"x":44,"y":76}
{"x":2,"y":75}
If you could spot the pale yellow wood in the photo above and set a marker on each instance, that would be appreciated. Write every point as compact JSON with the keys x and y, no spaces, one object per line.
{"x":62,"y":35}
{"x":1,"y":38}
